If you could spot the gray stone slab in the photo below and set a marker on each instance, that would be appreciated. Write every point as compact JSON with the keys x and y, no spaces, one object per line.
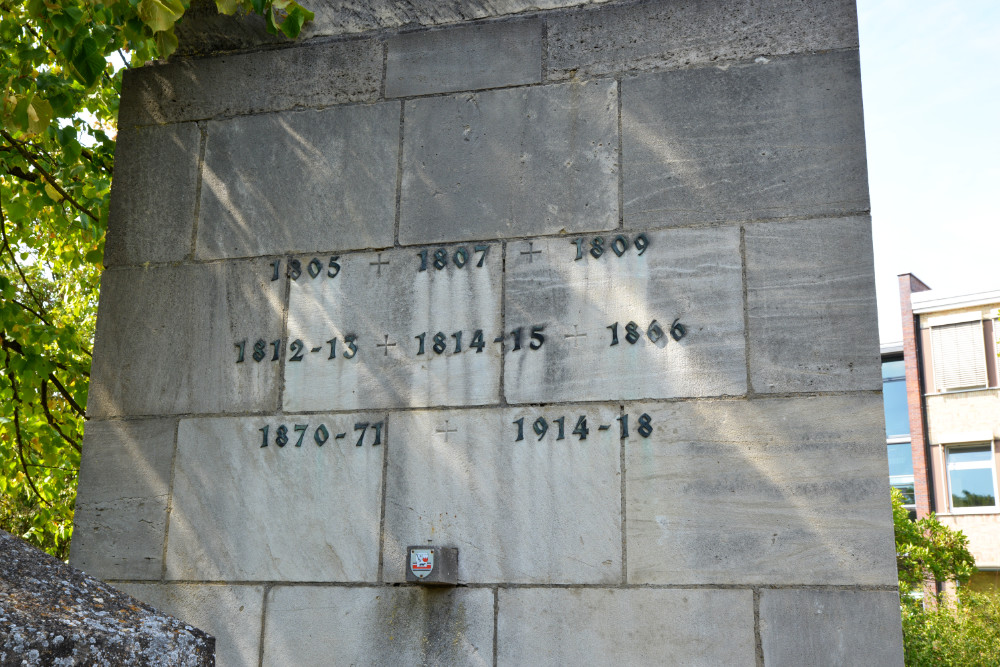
{"x":344,"y":17}
{"x":166,"y":340}
{"x":693,"y":276}
{"x":811,"y":306}
{"x":552,"y":626}
{"x":817,"y":627}
{"x":298,"y":512}
{"x":515,"y":162}
{"x":772,"y":491}
{"x":661,"y":35}
{"x":384,"y":301}
{"x":299,"y":181}
{"x":378,"y":626}
{"x":472,"y":57}
{"x":778,"y":138}
{"x":539,"y":510}
{"x":232,"y":614}
{"x":120,"y":517}
{"x":309,"y":75}
{"x":153,"y":194}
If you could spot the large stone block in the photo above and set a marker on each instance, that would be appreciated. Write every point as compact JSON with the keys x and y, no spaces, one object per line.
{"x":299,"y":181}
{"x":811,"y":306}
{"x":166,"y":340}
{"x":538,"y":510}
{"x":774,"y":139}
{"x":552,"y":626}
{"x":378,"y":626}
{"x":661,"y":35}
{"x":774,"y":491}
{"x":121,"y":508}
{"x":515,"y":162}
{"x":489,"y":55}
{"x":692,"y":276}
{"x":231,"y":614}
{"x":312,"y":75}
{"x":153,"y":194}
{"x":817,"y":627}
{"x":232,"y":519}
{"x":375,"y":309}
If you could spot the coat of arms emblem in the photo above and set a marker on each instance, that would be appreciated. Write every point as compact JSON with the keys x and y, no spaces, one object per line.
{"x":421,"y":562}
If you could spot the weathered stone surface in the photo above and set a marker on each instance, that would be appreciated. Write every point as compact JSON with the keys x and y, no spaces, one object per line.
{"x":121,"y":509}
{"x":378,"y":626}
{"x":53,"y":614}
{"x":231,"y":613}
{"x":535,"y":511}
{"x":204,"y":30}
{"x":166,"y":340}
{"x":780,"y":138}
{"x":153,"y":194}
{"x":771,"y":491}
{"x":810,"y":627}
{"x":660,"y":35}
{"x":551,"y":626}
{"x":472,"y":57}
{"x":385,"y":301}
{"x":299,"y":181}
{"x":513,"y":162}
{"x":230,"y":517}
{"x":693,"y":276}
{"x":811,"y":306}
{"x":310,"y":75}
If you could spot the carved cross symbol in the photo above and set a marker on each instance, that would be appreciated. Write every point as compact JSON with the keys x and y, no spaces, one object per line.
{"x":530,"y":252}
{"x":386,"y":345}
{"x":378,"y":269}
{"x":575,"y":335}
{"x":446,"y":430}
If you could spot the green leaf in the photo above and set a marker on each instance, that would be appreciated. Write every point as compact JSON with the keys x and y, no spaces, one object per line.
{"x":297,"y":16}
{"x":227,"y":7}
{"x":166,"y":42}
{"x":87,"y":61}
{"x":39,"y":114}
{"x":160,"y":14}
{"x":95,"y":257}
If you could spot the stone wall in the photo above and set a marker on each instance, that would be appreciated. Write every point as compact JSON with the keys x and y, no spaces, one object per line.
{"x":586,"y":292}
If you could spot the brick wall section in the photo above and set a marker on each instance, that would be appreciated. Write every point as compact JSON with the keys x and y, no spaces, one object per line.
{"x":923,"y":486}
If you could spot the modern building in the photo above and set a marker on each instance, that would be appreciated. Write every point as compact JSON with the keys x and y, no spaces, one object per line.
{"x":942,"y":409}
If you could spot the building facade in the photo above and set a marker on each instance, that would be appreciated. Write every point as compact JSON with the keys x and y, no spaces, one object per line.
{"x":942,"y":403}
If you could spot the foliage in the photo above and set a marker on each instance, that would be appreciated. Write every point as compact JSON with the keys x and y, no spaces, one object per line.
{"x":964,"y":632}
{"x":58,"y":114}
{"x":941,"y":629}
{"x":928,"y":551}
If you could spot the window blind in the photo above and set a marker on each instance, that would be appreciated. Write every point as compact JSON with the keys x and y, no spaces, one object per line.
{"x":959,"y":356}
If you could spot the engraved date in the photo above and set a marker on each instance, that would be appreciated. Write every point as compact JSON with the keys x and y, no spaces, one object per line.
{"x":540,"y":427}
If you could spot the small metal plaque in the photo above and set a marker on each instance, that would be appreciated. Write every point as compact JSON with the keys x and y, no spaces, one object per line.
{"x":421,"y":562}
{"x":432,"y":565}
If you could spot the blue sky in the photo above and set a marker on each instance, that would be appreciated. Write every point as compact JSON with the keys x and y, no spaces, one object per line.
{"x":931,"y":78}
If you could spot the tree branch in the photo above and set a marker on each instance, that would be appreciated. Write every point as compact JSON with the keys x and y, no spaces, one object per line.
{"x":48,"y":177}
{"x":6,"y":244}
{"x":17,"y":432}
{"x":52,"y":422}
{"x":66,"y":395}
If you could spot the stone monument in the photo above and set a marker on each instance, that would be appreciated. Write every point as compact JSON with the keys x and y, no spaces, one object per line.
{"x":583,"y":290}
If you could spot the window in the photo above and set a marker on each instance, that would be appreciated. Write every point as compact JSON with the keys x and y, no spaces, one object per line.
{"x":959,"y":356}
{"x":901,"y":470}
{"x":972,"y":477}
{"x":897,"y":416}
